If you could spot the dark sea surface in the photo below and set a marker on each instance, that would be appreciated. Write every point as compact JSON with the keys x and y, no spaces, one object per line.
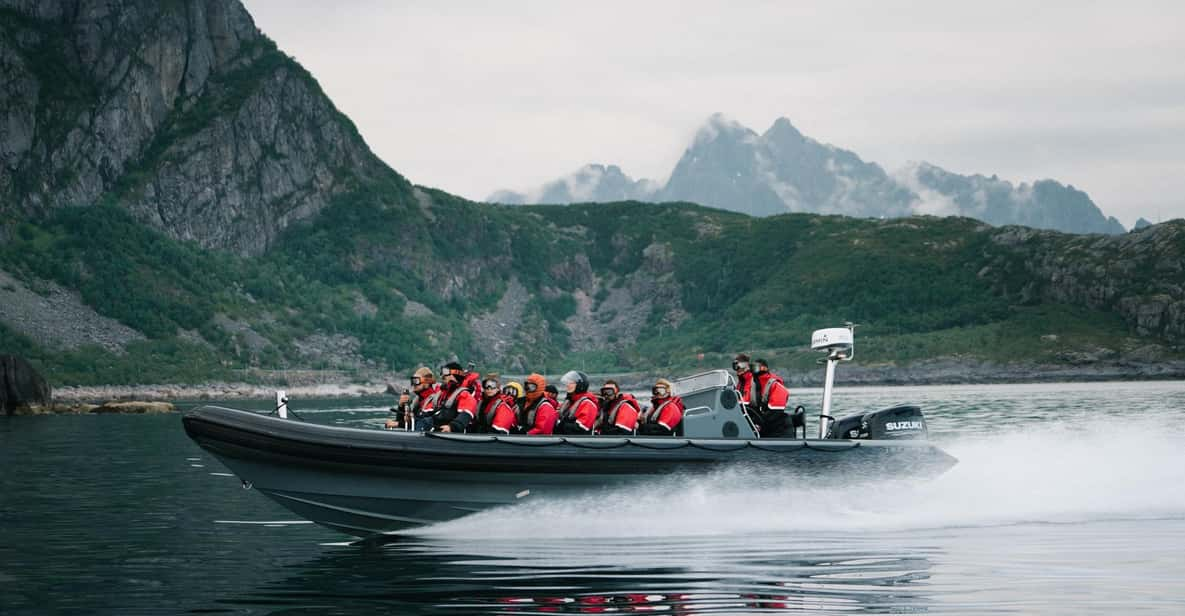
{"x":1068,"y":499}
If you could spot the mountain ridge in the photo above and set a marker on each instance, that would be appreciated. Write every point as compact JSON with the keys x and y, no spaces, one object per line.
{"x":732,"y":167}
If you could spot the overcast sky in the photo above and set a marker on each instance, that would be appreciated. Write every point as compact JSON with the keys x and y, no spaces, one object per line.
{"x":473,"y":97}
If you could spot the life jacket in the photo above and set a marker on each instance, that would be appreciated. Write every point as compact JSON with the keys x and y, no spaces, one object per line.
{"x":668,"y":413}
{"x":774,"y":394}
{"x":543,"y":403}
{"x":623,"y":413}
{"x":496,"y":415}
{"x":581,"y":409}
{"x":459,"y":407}
{"x":425,"y":403}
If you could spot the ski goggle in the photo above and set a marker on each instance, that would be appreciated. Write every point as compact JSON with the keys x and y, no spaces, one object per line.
{"x":660,"y":391}
{"x":737,"y":366}
{"x":490,"y":385}
{"x":510,"y":391}
{"x":415,"y":380}
{"x":531,"y":387}
{"x":608,"y":392}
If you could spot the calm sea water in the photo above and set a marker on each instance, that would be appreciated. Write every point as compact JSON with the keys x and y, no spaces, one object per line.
{"x":1068,"y":499}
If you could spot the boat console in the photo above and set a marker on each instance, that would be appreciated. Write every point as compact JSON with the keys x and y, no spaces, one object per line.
{"x":713,"y":407}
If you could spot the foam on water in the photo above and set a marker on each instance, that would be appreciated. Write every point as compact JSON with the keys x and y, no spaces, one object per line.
{"x":1053,"y":475}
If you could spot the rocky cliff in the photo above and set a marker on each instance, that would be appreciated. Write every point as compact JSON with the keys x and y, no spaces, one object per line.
{"x":181,"y":111}
{"x":21,"y":386}
{"x":1139,"y":275}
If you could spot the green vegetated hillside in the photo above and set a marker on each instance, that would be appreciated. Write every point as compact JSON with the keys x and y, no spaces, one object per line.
{"x":710,"y":282}
{"x":233,"y":223}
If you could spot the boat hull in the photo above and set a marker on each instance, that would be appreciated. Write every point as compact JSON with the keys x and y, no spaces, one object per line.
{"x":368,"y":482}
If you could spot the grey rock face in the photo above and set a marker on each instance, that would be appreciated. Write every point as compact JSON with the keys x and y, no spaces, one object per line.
{"x":243,"y":178}
{"x":182,"y":111}
{"x":1140,"y":224}
{"x":21,"y":385}
{"x":58,"y":318}
{"x":731,"y":167}
{"x":115,"y":71}
{"x":1137,"y":275}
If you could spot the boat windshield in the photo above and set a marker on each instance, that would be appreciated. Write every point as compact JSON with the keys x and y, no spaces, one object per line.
{"x":704,"y":380}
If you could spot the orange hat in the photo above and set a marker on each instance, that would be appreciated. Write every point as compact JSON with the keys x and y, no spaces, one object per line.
{"x":540,"y":385}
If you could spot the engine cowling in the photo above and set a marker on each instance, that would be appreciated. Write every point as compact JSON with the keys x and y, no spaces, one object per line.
{"x":898,"y":422}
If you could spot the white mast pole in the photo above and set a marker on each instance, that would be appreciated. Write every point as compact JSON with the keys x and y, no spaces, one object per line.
{"x":839,"y":343}
{"x":828,"y":382}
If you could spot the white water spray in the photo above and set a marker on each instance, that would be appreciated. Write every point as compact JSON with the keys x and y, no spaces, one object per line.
{"x":1050,"y":475}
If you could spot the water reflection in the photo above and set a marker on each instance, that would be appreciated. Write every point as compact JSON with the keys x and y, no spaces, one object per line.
{"x":675,"y":576}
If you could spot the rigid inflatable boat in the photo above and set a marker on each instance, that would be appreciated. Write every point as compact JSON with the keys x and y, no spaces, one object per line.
{"x":367,"y":482}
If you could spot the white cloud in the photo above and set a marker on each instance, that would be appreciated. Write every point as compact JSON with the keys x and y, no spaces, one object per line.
{"x":929,"y":200}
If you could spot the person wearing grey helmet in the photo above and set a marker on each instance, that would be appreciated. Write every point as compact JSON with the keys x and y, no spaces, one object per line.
{"x":578,"y":415}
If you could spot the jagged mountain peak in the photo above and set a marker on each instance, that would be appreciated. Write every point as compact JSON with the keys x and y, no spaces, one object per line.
{"x":729,"y":166}
{"x":719,"y":127}
{"x":783,"y":131}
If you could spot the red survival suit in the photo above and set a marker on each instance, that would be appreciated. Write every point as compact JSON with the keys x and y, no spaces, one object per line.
{"x":621,"y":415}
{"x":663,"y":417}
{"x":424,"y":406}
{"x":540,"y":416}
{"x":496,"y":415}
{"x":455,"y":407}
{"x":766,"y":402}
{"x":579,"y":414}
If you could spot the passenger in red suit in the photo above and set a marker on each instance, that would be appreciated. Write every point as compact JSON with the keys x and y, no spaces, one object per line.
{"x":578,"y":416}
{"x":515,"y":396}
{"x":495,"y":415}
{"x":416,"y":408}
{"x":772,"y":397}
{"x":456,"y":406}
{"x":540,"y":413}
{"x":744,"y":369}
{"x":664,"y":416}
{"x":621,"y":410}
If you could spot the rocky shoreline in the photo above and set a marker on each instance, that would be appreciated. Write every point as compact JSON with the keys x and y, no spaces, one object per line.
{"x":935,"y":372}
{"x":113,"y":407}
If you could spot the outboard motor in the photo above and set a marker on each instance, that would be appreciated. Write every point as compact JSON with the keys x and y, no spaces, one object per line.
{"x":899,"y":422}
{"x":847,"y":427}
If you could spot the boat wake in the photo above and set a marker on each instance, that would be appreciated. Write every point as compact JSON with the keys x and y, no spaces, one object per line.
{"x":1050,"y":475}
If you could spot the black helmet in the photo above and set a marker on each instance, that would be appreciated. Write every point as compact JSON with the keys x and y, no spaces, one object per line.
{"x":578,"y":377}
